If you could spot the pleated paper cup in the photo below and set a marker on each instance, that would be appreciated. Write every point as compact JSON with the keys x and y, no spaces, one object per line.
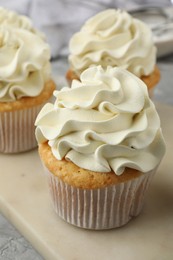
{"x":101,"y":208}
{"x":17,"y":121}
{"x":17,"y":130}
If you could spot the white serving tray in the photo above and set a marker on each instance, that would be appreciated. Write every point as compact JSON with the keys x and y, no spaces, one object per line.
{"x":25,"y":201}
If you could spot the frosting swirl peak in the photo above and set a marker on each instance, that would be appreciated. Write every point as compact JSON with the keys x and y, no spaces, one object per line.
{"x":12,"y":19}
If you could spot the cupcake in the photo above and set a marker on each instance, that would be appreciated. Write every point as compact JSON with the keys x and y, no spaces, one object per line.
{"x":25,"y":86}
{"x":114,"y":38}
{"x":100,"y":144}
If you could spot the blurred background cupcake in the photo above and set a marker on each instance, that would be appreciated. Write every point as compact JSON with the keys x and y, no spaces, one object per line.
{"x":25,"y":81}
{"x":100,"y":143}
{"x":113,"y":37}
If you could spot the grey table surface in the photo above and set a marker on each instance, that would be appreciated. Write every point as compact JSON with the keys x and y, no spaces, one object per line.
{"x":13,"y":246}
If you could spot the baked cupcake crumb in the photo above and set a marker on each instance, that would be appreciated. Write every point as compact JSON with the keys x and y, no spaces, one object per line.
{"x":73,"y":175}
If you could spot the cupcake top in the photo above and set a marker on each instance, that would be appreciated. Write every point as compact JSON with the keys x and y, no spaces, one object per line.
{"x":104,"y":122}
{"x":114,"y":38}
{"x":14,"y":20}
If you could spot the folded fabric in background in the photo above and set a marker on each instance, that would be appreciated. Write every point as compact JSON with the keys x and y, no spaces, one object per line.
{"x":60,"y":19}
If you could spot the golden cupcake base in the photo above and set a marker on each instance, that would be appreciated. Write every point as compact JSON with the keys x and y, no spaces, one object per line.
{"x":17,"y":130}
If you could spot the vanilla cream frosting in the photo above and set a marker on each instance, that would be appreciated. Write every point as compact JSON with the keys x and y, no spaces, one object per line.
{"x":113,"y":37}
{"x":24,"y":64}
{"x":104,"y":122}
{"x":12,"y":19}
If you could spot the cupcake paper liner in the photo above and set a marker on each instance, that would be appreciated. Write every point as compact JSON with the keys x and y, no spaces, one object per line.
{"x":17,"y":130}
{"x":99,"y":209}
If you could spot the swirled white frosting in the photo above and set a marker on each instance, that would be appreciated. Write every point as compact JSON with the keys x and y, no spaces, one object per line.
{"x":24,"y":64}
{"x":114,"y":38}
{"x":104,"y":122}
{"x":12,"y":19}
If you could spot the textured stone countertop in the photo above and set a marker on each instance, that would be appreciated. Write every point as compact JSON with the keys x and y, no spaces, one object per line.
{"x":13,"y":245}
